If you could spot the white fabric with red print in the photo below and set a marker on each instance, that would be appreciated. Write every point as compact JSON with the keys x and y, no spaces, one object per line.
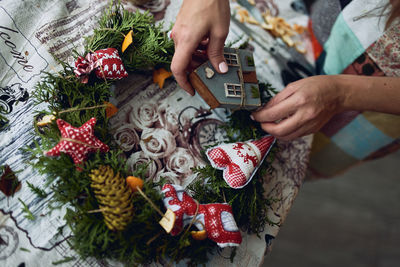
{"x":239,"y":161}
{"x":216,"y":218}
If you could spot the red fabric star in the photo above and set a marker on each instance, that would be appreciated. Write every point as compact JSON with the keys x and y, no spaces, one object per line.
{"x":77,"y":142}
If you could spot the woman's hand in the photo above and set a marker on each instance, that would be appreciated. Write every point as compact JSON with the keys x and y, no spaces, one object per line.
{"x":201,"y":28}
{"x":302,"y":108}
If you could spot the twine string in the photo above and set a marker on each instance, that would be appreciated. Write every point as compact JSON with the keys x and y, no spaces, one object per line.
{"x":80,"y":109}
{"x":101,"y":67}
{"x":76,"y":141}
{"x":96,"y":211}
{"x":150,"y":202}
{"x":194,"y":219}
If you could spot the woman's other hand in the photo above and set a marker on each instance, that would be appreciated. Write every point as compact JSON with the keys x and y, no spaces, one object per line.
{"x":201,"y":28}
{"x":302,"y":108}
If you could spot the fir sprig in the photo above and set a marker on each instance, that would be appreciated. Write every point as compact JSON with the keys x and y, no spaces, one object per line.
{"x":143,"y":240}
{"x":249,"y":204}
{"x":25,"y":209}
{"x":151,"y":46}
{"x":210,"y":186}
{"x":38,"y":191}
{"x":64,"y":92}
{"x":240,"y":127}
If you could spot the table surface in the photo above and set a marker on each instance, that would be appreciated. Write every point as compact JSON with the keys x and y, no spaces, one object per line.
{"x":42,"y":28}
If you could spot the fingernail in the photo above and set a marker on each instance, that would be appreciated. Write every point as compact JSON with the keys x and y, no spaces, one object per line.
{"x":251,"y":117}
{"x":223,"y":67}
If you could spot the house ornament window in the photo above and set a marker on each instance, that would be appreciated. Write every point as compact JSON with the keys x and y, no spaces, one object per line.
{"x":233,"y":90}
{"x":231,"y":59}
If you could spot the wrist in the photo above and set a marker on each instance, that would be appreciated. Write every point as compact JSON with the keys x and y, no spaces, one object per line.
{"x":346,"y":88}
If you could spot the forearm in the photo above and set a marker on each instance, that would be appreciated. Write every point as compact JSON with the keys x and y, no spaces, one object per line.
{"x":364,"y":93}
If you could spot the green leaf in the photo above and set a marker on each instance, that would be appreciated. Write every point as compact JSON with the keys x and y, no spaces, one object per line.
{"x":39,"y":192}
{"x":255,"y":93}
{"x":25,"y":209}
{"x":65,"y":260}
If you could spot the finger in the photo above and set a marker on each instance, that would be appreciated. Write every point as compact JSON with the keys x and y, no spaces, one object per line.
{"x":285,"y":93}
{"x":280,"y":111}
{"x":296,"y":134}
{"x":215,"y":51}
{"x":285,"y":127}
{"x":180,"y":63}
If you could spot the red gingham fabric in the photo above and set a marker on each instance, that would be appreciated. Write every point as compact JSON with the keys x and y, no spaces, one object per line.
{"x":239,"y":160}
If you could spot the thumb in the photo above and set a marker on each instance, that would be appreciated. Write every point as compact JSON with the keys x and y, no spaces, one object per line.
{"x":215,"y":52}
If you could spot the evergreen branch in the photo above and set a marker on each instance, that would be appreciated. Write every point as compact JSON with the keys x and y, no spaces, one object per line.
{"x":25,"y":209}
{"x":151,"y":46}
{"x":38,"y":191}
{"x":143,"y":241}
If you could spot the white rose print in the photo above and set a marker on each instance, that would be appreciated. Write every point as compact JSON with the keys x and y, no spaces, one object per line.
{"x":126,"y":137}
{"x":157,"y":143}
{"x":181,"y":161}
{"x":170,"y":177}
{"x":143,"y":115}
{"x":138,"y":158}
{"x":168,"y":119}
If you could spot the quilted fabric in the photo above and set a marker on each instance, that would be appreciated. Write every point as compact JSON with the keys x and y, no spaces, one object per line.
{"x":239,"y":160}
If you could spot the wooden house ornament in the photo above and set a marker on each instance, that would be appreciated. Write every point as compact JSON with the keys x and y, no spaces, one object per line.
{"x":236,"y":89}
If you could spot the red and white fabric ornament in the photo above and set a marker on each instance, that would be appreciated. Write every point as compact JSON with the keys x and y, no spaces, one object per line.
{"x":216,"y":218}
{"x":77,"y":142}
{"x":105,"y":62}
{"x":239,"y":161}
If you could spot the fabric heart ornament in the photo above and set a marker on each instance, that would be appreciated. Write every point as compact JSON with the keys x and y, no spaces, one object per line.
{"x":240,"y":160}
{"x":106,"y":63}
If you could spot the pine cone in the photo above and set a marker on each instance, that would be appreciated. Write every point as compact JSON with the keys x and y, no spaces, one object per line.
{"x":114,"y":197}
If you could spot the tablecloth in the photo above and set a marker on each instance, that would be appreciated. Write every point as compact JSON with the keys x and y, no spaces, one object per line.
{"x":34,"y":33}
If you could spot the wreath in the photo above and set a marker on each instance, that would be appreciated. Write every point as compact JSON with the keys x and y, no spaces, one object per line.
{"x":106,"y":219}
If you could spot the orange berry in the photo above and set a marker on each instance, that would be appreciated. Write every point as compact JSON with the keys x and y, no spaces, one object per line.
{"x":134,"y":182}
{"x":199,"y":235}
